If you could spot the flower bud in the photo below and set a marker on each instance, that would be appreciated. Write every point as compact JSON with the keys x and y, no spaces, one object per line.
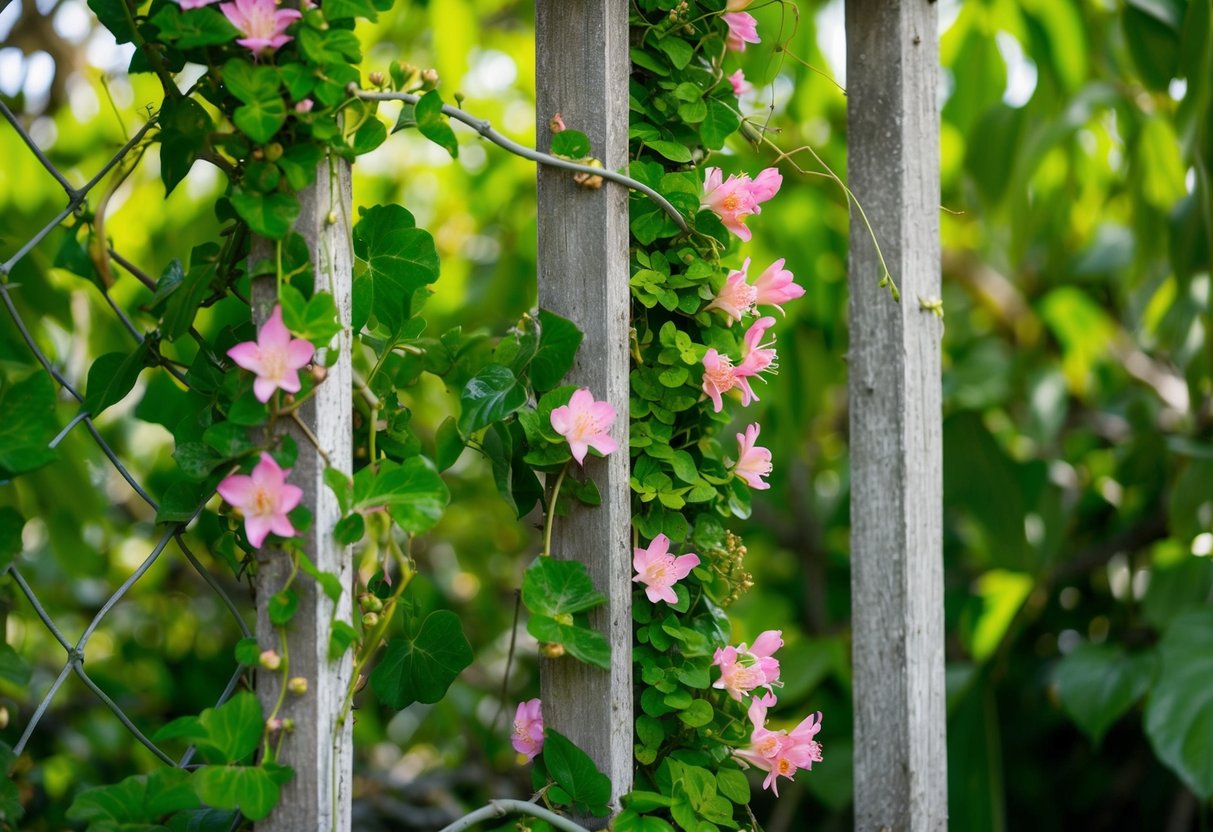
{"x":556,"y":124}
{"x":361,"y":683}
{"x":331,"y":218}
{"x":270,"y":660}
{"x":429,"y":76}
{"x":305,"y":106}
{"x":297,"y":685}
{"x":319,"y":372}
{"x":273,"y":152}
{"x":258,"y":153}
{"x":288,"y":724}
{"x":273,"y":724}
{"x":591,"y":181}
{"x":3,"y":717}
{"x":370,"y":619}
{"x":289,"y":399}
{"x":552,"y":651}
{"x":370,"y":602}
{"x":376,"y":79}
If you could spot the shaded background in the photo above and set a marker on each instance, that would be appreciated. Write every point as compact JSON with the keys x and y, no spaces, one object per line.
{"x":1076,"y":157}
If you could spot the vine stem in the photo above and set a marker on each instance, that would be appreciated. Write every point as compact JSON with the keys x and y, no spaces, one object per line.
{"x":549,"y":520}
{"x":486,"y":130}
{"x":502,"y":807}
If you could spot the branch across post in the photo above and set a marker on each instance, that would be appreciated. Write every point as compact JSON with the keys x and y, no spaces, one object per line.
{"x":318,"y":749}
{"x":582,"y":67}
{"x":896,"y":433}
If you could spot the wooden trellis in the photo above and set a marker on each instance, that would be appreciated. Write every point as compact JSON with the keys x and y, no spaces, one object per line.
{"x":896,"y":472}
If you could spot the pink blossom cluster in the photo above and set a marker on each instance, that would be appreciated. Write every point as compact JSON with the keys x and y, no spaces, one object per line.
{"x":779,"y":753}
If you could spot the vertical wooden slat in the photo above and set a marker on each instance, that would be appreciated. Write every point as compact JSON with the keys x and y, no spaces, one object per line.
{"x":582,"y":66}
{"x":318,"y":798}
{"x":896,"y":443}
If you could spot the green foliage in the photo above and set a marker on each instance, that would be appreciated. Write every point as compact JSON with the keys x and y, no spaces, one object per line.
{"x":421,"y":667}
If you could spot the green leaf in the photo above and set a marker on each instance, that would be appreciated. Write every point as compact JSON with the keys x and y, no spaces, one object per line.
{"x":559,"y":340}
{"x":1099,"y":682}
{"x":582,"y":643}
{"x":413,"y":492}
{"x":346,"y":9}
{"x":629,"y":821}
{"x":184,"y":126}
{"x":400,"y":260}
{"x":571,"y":144}
{"x":674,"y":151}
{"x":575,"y":772}
{"x":734,"y":785}
{"x":252,"y":790}
{"x":1179,"y":713}
{"x":11,"y":526}
{"x":234,"y":728}
{"x":370,"y":135}
{"x":248,"y":652}
{"x":422,"y":667}
{"x":720,"y":123}
{"x":489,"y":396}
{"x":28,"y":425}
{"x":268,"y":215}
{"x":116,"y":16}
{"x":698,"y":714}
{"x":140,"y":799}
{"x":559,"y":587}
{"x":433,"y":124}
{"x":282,"y":607}
{"x":188,"y":30}
{"x":677,"y":50}
{"x":448,"y":444}
{"x":13,"y":668}
{"x":183,"y":303}
{"x":179,"y":502}
{"x":258,"y":87}
{"x":111,"y":377}
{"x":313,"y":319}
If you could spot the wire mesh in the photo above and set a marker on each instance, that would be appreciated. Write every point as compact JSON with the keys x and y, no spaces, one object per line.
{"x":173,"y":532}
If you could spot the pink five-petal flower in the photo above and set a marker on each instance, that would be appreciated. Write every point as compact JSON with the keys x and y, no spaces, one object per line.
{"x":274,"y":357}
{"x":719,"y":377}
{"x":743,"y":29}
{"x":774,"y":286}
{"x":743,"y":669}
{"x":658,"y":570}
{"x":264,"y":498}
{"x":730,"y":200}
{"x":585,"y":424}
{"x":261,"y":22}
{"x":780,"y":753}
{"x":736,"y":298}
{"x":527,"y":738}
{"x":753,"y":463}
{"x":740,"y":85}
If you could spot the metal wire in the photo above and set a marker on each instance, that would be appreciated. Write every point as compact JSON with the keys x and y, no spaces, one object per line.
{"x":76,"y":198}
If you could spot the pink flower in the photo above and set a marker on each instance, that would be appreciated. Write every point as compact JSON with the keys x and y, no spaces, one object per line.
{"x":742,"y":669}
{"x":740,"y":85}
{"x":780,"y":753}
{"x":274,"y":357}
{"x":586,"y":424}
{"x":658,"y":570}
{"x":186,"y":5}
{"x":752,"y":463}
{"x":743,"y":29}
{"x":261,"y":22}
{"x":756,"y":358}
{"x":774,"y":286}
{"x":719,"y":377}
{"x":305,"y":106}
{"x":737,"y":297}
{"x":737,"y":197}
{"x":264,"y":499}
{"x":527,"y":738}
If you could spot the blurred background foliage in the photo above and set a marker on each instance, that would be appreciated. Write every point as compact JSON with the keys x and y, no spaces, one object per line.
{"x":1077,"y":165}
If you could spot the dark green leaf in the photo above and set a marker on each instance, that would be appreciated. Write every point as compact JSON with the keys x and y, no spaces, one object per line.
{"x":489,"y":396}
{"x":559,"y":587}
{"x":268,"y":215}
{"x":582,"y":643}
{"x":422,"y":667}
{"x":264,"y":109}
{"x":571,"y":144}
{"x":11,"y":526}
{"x":1099,"y":682}
{"x":250,"y":789}
{"x":400,"y":260}
{"x":559,"y":340}
{"x":111,"y":377}
{"x":575,"y":772}
{"x":433,"y":124}
{"x":1179,"y":713}
{"x":28,"y":425}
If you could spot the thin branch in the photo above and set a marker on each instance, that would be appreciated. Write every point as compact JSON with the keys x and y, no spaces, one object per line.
{"x":486,"y":130}
{"x":502,"y":807}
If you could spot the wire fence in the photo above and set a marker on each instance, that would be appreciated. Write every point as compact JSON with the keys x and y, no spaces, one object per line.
{"x":172,"y":533}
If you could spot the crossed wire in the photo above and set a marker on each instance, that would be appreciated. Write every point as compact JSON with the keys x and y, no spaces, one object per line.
{"x":76,"y":198}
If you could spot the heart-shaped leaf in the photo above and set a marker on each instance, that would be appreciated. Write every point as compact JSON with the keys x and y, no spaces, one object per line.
{"x":421,"y":668}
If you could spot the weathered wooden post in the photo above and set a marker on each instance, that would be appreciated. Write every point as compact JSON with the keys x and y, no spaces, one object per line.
{"x":320,"y":751}
{"x":896,"y":442}
{"x":582,"y":66}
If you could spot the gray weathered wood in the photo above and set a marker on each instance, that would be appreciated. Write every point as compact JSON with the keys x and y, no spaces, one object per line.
{"x":581,"y":52}
{"x":896,"y":467}
{"x":320,"y":751}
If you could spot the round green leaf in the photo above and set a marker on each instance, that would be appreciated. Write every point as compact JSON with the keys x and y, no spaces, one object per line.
{"x":421,"y":668}
{"x":1099,"y":682}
